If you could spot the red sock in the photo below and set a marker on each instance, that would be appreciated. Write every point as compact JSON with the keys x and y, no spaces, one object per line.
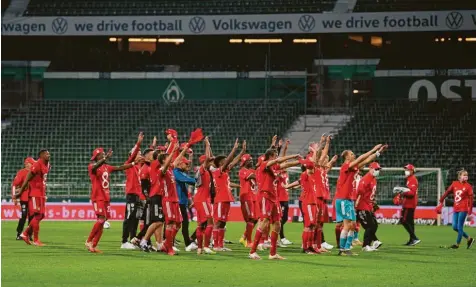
{"x":215,"y":237}
{"x":208,"y":235}
{"x":175,"y":231}
{"x":93,"y":232}
{"x":304,"y":240}
{"x":35,"y":225}
{"x":338,"y":230}
{"x":221,"y":237}
{"x":199,"y":233}
{"x":169,"y":239}
{"x":256,"y":241}
{"x":310,"y":238}
{"x":98,"y":235}
{"x":319,"y":237}
{"x":274,"y":240}
{"x":249,"y":231}
{"x":263,"y":236}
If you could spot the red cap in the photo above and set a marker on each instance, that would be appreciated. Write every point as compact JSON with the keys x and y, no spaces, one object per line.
{"x":96,"y":152}
{"x":186,"y":161}
{"x":409,"y":167}
{"x":245,"y":158}
{"x":260,"y":160}
{"x":375,"y":165}
{"x":307,"y":163}
{"x":30,"y":160}
{"x":171,"y":132}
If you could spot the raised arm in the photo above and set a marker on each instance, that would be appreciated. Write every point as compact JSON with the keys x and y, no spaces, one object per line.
{"x":282,"y":159}
{"x":331,"y":163}
{"x":285,"y":149}
{"x":373,"y":157}
{"x":136,"y":148}
{"x":230,"y":156}
{"x":289,"y":164}
{"x":102,"y":161}
{"x":168,"y":160}
{"x":364,"y":156}
{"x":154,"y":143}
{"x":292,"y":185}
{"x":273,"y":141}
{"x":236,"y":160}
{"x":181,"y":154}
{"x":325,"y":151}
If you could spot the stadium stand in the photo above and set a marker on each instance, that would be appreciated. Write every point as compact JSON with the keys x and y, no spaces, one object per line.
{"x":72,"y":129}
{"x":168,"y":7}
{"x":409,"y":5}
{"x":429,"y":134}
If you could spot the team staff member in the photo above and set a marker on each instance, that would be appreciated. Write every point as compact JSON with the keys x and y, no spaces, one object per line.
{"x":17,"y":182}
{"x":182,"y":180}
{"x":409,"y":203}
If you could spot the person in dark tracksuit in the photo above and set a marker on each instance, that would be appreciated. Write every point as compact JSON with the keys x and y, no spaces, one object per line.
{"x":182,"y":180}
{"x":17,"y":182}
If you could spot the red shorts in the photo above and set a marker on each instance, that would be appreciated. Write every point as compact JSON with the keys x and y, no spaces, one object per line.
{"x":36,"y":205}
{"x":171,"y":211}
{"x":102,"y":208}
{"x":221,"y":211}
{"x":204,"y":211}
{"x":309,"y":214}
{"x":248,"y":210}
{"x":257,"y":209}
{"x":270,"y":210}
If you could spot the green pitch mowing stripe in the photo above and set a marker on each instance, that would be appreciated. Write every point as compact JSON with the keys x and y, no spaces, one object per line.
{"x":65,"y":261}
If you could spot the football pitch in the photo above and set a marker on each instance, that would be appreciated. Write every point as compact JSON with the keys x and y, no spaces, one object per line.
{"x":66,"y":262}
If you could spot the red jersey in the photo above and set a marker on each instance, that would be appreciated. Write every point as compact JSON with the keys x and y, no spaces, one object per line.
{"x":308,"y":193}
{"x":410,"y":199}
{"x":222,"y":186}
{"x":155,"y":183}
{"x":355,"y":185}
{"x":144,"y":174}
{"x":346,"y":181}
{"x":246,"y":183}
{"x":132,"y":174}
{"x":366,"y":189}
{"x":170,"y":148}
{"x":18,"y":182}
{"x":38,"y":182}
{"x":169,"y":186}
{"x":269,"y":181}
{"x":283,"y":180}
{"x":463,"y":196}
{"x":318,"y":182}
{"x":102,"y":183}
{"x":327,"y":190}
{"x":204,"y":183}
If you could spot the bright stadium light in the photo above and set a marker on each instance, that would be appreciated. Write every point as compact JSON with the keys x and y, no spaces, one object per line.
{"x":263,"y":41}
{"x":460,"y":39}
{"x":171,"y":40}
{"x":112,"y":39}
{"x":470,"y":39}
{"x":304,"y":41}
{"x":150,"y":40}
{"x":355,"y":91}
{"x":236,"y":41}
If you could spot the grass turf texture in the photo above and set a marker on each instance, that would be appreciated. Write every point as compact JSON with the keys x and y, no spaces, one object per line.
{"x":66,"y":262}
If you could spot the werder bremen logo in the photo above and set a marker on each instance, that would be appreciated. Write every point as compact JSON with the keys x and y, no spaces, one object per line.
{"x":173,"y":93}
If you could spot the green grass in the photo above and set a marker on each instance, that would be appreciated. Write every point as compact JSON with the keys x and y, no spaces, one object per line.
{"x":65,"y":262}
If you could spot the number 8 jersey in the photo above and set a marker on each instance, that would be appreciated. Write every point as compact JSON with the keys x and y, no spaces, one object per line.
{"x":463,"y":195}
{"x":100,"y":182}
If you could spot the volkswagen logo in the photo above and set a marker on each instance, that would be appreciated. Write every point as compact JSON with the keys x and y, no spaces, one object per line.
{"x":196,"y":25}
{"x":306,"y":23}
{"x":59,"y":26}
{"x":454,"y":20}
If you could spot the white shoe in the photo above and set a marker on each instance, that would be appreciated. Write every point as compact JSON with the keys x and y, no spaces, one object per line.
{"x":368,"y":249}
{"x":191,"y":247}
{"x":377,"y":244}
{"x":280,"y":244}
{"x":327,"y":246}
{"x":276,"y":257}
{"x":285,"y":241}
{"x":254,"y":256}
{"x":260,"y":247}
{"x":175,"y":249}
{"x":207,"y":250}
{"x":128,"y":246}
{"x":226,"y":249}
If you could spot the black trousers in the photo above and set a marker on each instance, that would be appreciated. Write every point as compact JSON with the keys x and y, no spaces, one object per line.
{"x":24,"y":216}
{"x":407,"y":220}
{"x":185,"y":223}
{"x":134,"y":212}
{"x":367,"y":219}
{"x":284,"y":217}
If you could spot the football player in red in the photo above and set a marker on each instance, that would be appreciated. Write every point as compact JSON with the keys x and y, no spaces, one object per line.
{"x":364,"y":205}
{"x":202,"y":202}
{"x":133,"y":192}
{"x":327,"y":166}
{"x":172,"y":137}
{"x":36,"y":180}
{"x":409,"y":203}
{"x":356,"y":223}
{"x":283,"y":197}
{"x":223,"y":197}
{"x":463,"y":206}
{"x":99,"y":173}
{"x":17,"y":182}
{"x":269,"y":205}
{"x":345,"y":209}
{"x":247,"y":185}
